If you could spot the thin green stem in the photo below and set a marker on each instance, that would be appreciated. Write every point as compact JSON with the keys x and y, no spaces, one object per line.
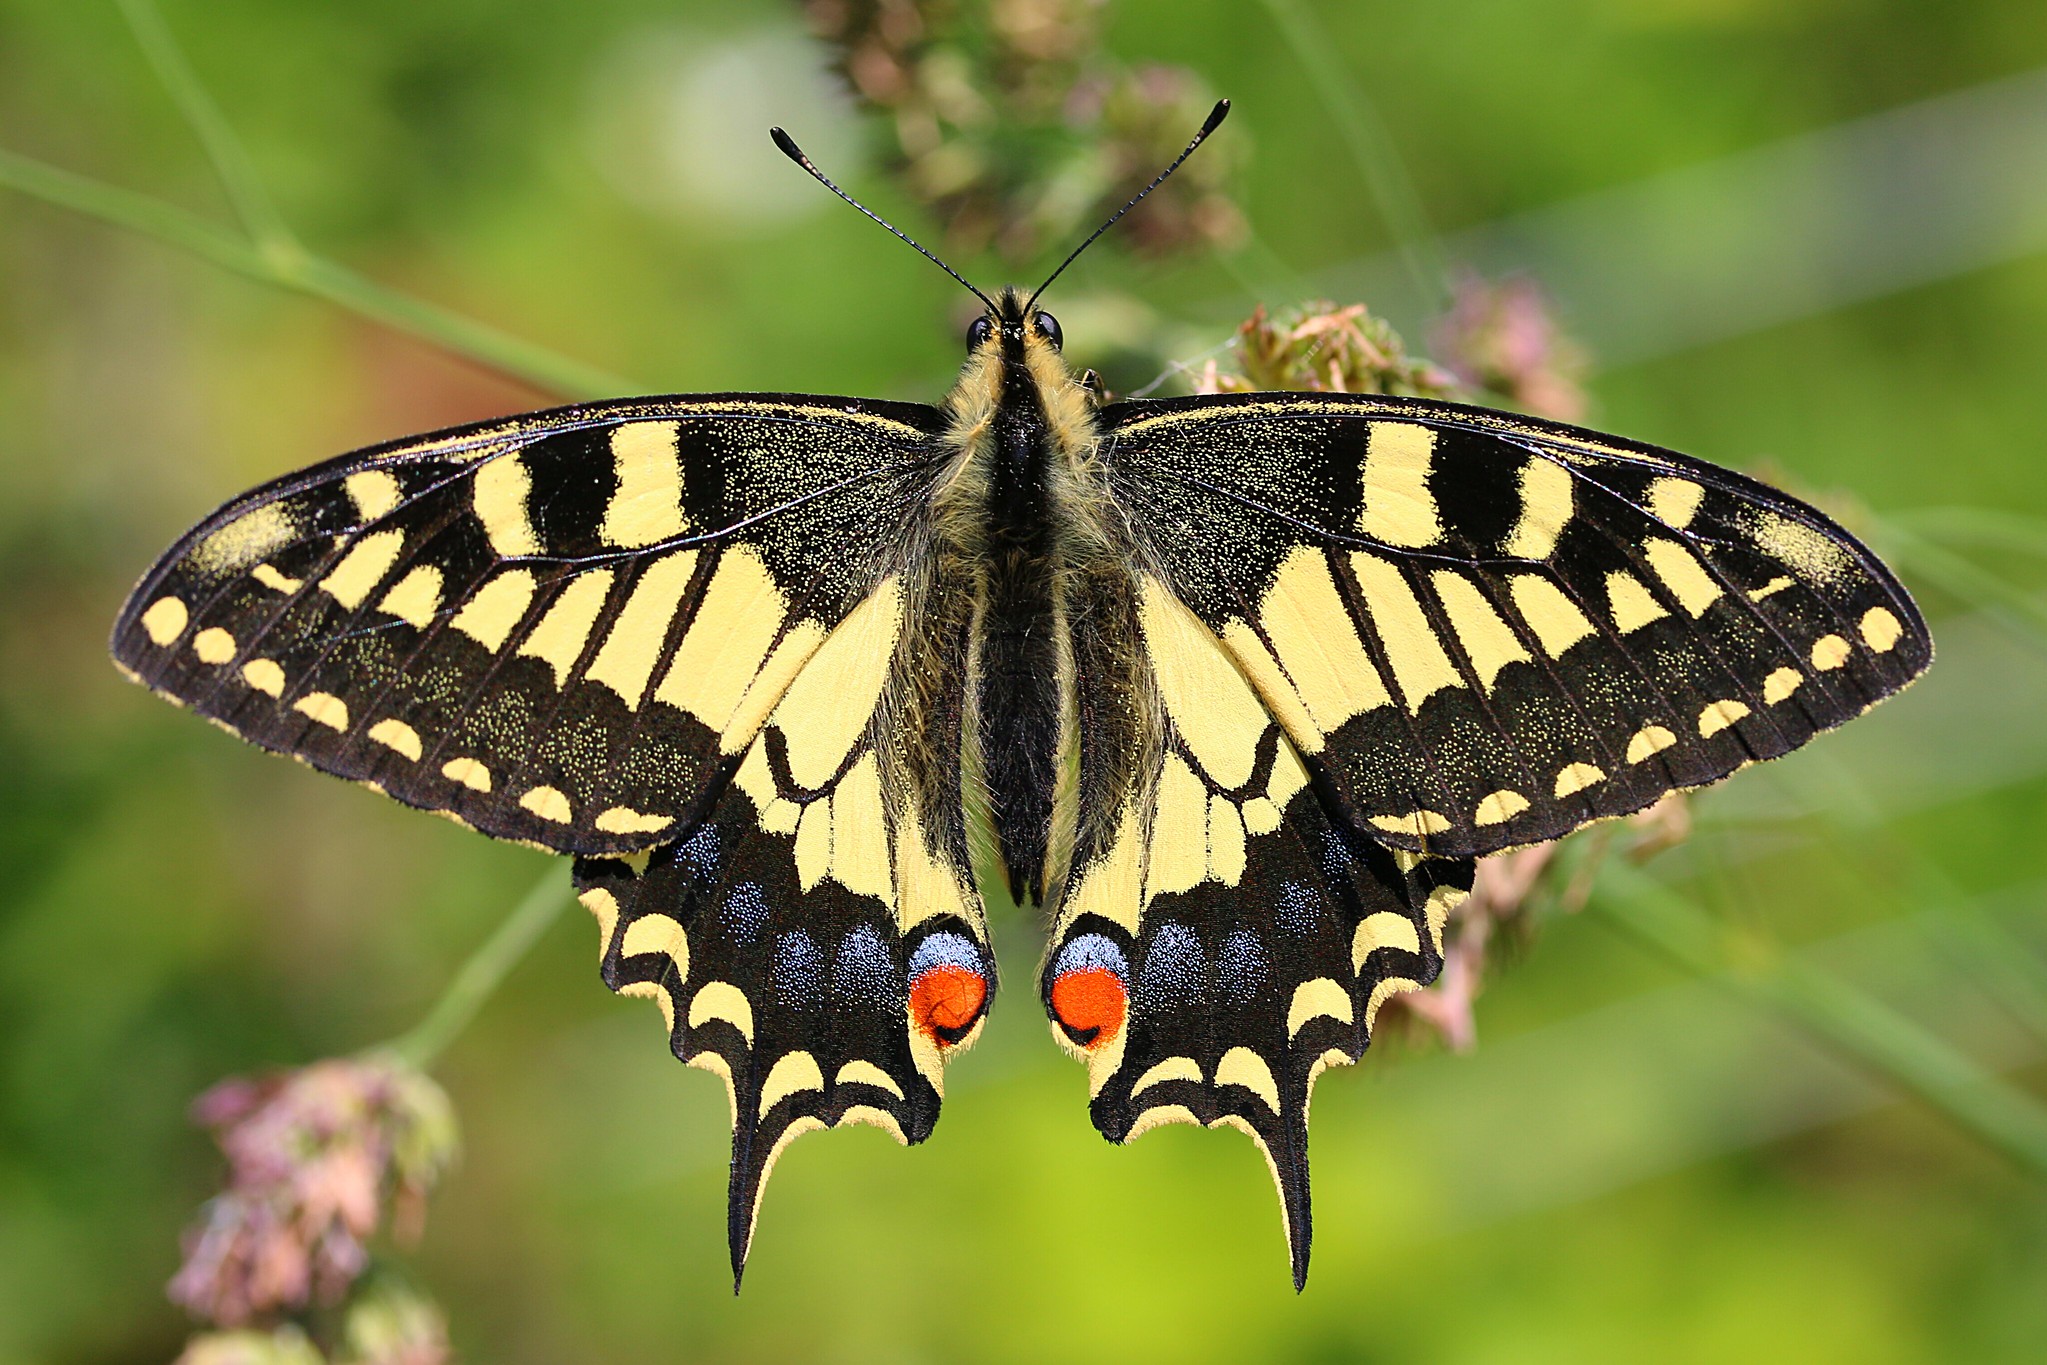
{"x":484,"y":972}
{"x":252,"y":204}
{"x":1850,"y":1021}
{"x":1371,"y":147}
{"x":312,"y":275}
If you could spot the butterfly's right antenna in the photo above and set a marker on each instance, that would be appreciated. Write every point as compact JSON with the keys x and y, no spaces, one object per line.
{"x":1215,"y":119}
{"x":795,"y":154}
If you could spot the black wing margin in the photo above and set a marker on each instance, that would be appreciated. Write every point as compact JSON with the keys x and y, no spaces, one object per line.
{"x":1484,"y":631}
{"x":562,"y":628}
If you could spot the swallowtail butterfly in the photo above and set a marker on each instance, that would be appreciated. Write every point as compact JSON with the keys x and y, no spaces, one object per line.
{"x":1241,"y":685}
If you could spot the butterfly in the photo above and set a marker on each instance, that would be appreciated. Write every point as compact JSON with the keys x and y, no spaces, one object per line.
{"x":1236,"y":688}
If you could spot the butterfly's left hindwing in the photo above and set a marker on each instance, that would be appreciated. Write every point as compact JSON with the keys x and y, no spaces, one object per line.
{"x":818,"y":941}
{"x":1483,"y":631}
{"x":563,"y":628}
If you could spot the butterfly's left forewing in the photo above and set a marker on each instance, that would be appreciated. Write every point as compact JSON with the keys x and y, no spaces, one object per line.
{"x":562,"y":628}
{"x":1227,"y":935}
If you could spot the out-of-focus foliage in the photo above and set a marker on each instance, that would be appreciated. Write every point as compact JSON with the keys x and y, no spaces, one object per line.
{"x":1015,"y":126}
{"x":1628,"y":1165}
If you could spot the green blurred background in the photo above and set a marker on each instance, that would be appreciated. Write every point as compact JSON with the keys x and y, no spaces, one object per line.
{"x":1802,"y":237}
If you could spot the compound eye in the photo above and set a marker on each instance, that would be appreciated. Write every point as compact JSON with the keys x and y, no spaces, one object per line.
{"x":1048,"y":327}
{"x":977,"y":332}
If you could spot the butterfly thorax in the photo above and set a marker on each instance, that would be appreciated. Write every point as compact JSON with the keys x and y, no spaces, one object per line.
{"x":1015,"y":514}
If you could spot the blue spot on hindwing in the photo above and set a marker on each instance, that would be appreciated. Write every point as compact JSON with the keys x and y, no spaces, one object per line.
{"x":746,"y":913}
{"x":1241,"y":966}
{"x":1173,"y":972}
{"x":797,"y":970}
{"x":864,"y":970}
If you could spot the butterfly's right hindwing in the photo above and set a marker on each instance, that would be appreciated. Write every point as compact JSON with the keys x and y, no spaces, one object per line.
{"x":562,"y":628}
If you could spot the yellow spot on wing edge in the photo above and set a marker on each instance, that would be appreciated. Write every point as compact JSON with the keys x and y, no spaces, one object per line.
{"x":1384,"y":991}
{"x":324,"y":708}
{"x":397,"y":735}
{"x":1171,"y":1069}
{"x":165,"y":620}
{"x":658,"y":934}
{"x":1384,"y":929}
{"x":873,"y":1118}
{"x":1158,"y":1116}
{"x":213,"y":645}
{"x":861,"y":1072}
{"x":792,"y":1074}
{"x":1829,"y":652}
{"x":1881,"y":630}
{"x":1241,"y":1066}
{"x":265,"y":676}
{"x":626,"y":820}
{"x":1781,"y":684}
{"x":1576,"y":777}
{"x":1418,"y":824}
{"x":549,"y":803}
{"x":722,"y":1000}
{"x":654,"y":991}
{"x":1648,"y":741}
{"x":1499,"y":807}
{"x":1719,"y":715}
{"x":467,"y":771}
{"x":271,"y":578}
{"x":1322,"y":997}
{"x":604,"y":906}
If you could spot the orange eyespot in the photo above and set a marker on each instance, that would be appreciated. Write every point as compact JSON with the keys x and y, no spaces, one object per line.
{"x":1090,"y":1002}
{"x":946,"y":999}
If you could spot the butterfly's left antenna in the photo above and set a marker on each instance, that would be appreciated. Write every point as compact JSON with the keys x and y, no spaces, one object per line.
{"x":795,"y":154}
{"x":1215,"y":120}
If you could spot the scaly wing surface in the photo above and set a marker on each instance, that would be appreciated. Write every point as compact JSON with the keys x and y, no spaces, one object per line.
{"x":1482,"y":631}
{"x":817,"y":941}
{"x":1225,"y":934}
{"x":563,"y":628}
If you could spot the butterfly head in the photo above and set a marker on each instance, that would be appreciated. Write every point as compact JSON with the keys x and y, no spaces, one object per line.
{"x":1012,"y":325}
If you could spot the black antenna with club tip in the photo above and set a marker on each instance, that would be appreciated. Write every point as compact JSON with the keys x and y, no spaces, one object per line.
{"x":795,"y":154}
{"x":1215,"y":118}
